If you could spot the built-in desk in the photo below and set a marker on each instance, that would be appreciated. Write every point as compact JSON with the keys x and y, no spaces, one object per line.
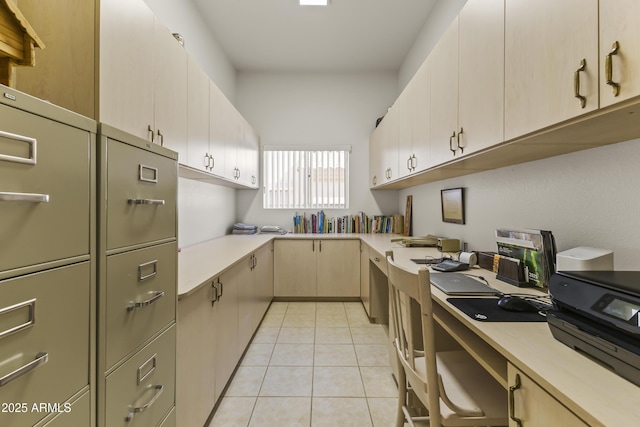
{"x":592,"y":392}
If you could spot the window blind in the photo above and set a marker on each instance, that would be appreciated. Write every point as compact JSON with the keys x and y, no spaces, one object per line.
{"x":306,"y":179}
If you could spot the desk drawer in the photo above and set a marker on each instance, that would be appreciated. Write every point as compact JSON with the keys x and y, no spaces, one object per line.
{"x":44,"y":313}
{"x":142,"y":391}
{"x":44,"y":190}
{"x":379,"y":260}
{"x":141,"y":195}
{"x":146,"y":277}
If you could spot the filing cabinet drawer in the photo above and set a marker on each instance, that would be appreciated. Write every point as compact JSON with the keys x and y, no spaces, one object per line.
{"x":170,"y":420}
{"x":141,"y":297}
{"x":77,"y":414}
{"x":44,"y":190}
{"x":44,"y":339}
{"x":141,"y":195}
{"x":141,"y":391}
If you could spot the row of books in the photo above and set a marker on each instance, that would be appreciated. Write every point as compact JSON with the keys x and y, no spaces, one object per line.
{"x":361,"y":223}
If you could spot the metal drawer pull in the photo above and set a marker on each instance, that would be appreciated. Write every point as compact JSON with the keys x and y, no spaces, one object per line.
{"x":141,"y":377}
{"x":141,"y":277}
{"x":137,"y":409}
{"x":24,"y":197}
{"x":154,"y":171}
{"x":33,"y":149}
{"x":146,"y":202}
{"x":140,"y":304}
{"x":41,"y":359}
{"x":31,"y":304}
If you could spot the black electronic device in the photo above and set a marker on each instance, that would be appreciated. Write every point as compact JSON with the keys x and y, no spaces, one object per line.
{"x":448,"y":265}
{"x":515,"y":303}
{"x":598,"y":313}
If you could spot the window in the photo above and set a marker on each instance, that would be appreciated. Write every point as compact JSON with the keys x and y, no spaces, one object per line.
{"x":303,"y":179}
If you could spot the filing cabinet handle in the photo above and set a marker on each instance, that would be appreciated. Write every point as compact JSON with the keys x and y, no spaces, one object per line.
{"x":33,"y":149}
{"x":145,"y":202}
{"x":158,"y":389}
{"x":41,"y":359}
{"x":512,"y":401}
{"x":140,"y":304}
{"x":154,"y":263}
{"x":24,"y":197}
{"x":31,"y":304}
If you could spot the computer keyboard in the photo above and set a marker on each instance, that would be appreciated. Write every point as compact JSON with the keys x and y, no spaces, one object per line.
{"x":450,"y":265}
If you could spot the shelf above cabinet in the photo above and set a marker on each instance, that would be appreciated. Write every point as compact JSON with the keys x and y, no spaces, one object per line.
{"x":185,"y":171}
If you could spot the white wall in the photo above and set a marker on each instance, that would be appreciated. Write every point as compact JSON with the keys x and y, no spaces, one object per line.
{"x":317,"y":109}
{"x":588,"y":198}
{"x":184,"y":17}
{"x":441,"y":16}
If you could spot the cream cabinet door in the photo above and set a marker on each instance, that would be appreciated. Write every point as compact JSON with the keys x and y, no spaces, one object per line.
{"x":294,"y":268}
{"x":198,"y":116}
{"x":338,"y":268}
{"x":420,"y":111}
{"x":126,"y":62}
{"x":218,"y":129}
{"x":545,"y":43}
{"x":227,"y":349}
{"x":263,"y":276}
{"x":405,"y":131}
{"x":619,"y":22}
{"x":170,"y":104}
{"x":364,"y":278}
{"x":376,"y":165}
{"x":481,"y":74}
{"x":444,"y":97}
{"x":390,"y":147}
{"x":533,"y":406}
{"x":241,"y":277}
{"x":195,"y":367}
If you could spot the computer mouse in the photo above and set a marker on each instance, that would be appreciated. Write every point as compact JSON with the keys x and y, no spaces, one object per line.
{"x":513,"y":303}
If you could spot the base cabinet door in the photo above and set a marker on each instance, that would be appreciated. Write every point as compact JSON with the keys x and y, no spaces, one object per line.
{"x":531,"y":406}
{"x":294,"y":269}
{"x":227,"y":349}
{"x":338,"y":268}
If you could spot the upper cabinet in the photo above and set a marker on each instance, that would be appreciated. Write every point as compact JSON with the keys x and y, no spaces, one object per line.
{"x":511,"y":81}
{"x":619,"y":50}
{"x":551,"y":62}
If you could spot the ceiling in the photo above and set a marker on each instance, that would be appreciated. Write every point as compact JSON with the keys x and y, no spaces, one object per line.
{"x":347,"y":35}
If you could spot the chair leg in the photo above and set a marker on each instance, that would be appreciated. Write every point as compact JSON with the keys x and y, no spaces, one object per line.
{"x":402,"y":398}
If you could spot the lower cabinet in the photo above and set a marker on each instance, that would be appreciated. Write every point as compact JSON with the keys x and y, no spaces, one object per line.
{"x":317,"y":268}
{"x":215,"y":325}
{"x":531,"y":406}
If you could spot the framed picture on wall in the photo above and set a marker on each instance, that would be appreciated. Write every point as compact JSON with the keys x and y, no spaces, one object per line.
{"x":452,"y":205}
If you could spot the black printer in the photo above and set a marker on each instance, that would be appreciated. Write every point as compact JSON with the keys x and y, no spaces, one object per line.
{"x":598,"y":314}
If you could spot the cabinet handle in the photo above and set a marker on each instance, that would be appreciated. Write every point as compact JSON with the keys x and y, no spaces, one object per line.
{"x":451,"y":143}
{"x":146,"y":202}
{"x":142,"y":277}
{"x":158,"y":389}
{"x":461,"y":147}
{"x":608,"y":67}
{"x":207,"y":161}
{"x":374,"y":180}
{"x":149,"y":130}
{"x":320,"y":243}
{"x":214,"y":293}
{"x":313,"y":245}
{"x":212,"y":162}
{"x":414,"y":164}
{"x":140,"y":304}
{"x":31,"y":304}
{"x":161,"y":136}
{"x":238,"y":177}
{"x":576,"y":83}
{"x":41,"y":359}
{"x":409,"y":163}
{"x":24,"y":197}
{"x":512,"y":401}
{"x":33,"y":149}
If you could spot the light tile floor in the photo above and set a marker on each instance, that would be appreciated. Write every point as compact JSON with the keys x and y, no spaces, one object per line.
{"x":312,"y":364}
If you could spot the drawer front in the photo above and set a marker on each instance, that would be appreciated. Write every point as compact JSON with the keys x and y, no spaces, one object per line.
{"x":76,"y":414}
{"x":141,"y":297}
{"x":170,"y":421}
{"x":44,"y":190}
{"x":141,"y":392}
{"x":379,"y":260}
{"x":141,"y":196}
{"x":44,"y":338}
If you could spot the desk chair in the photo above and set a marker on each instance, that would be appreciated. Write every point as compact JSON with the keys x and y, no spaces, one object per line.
{"x":453,"y":387}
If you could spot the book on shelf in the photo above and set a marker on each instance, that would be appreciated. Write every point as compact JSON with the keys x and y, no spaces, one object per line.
{"x":360,"y":223}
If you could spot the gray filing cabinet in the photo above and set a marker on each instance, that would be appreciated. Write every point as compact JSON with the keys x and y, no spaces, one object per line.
{"x":137,"y":281}
{"x":47,"y":267}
